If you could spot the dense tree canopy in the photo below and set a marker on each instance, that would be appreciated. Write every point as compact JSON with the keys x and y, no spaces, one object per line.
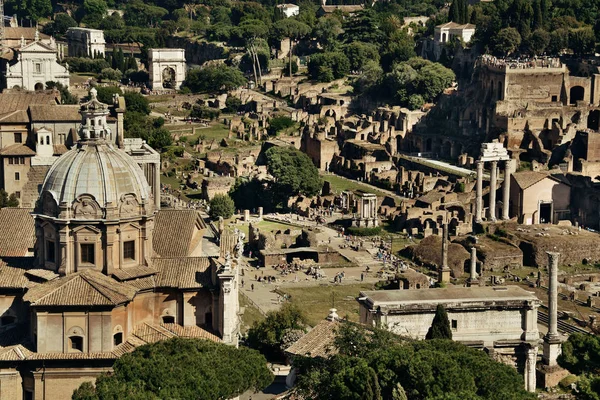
{"x":221,"y":205}
{"x":378,"y":365}
{"x":294,"y":172}
{"x":214,"y":78}
{"x":181,"y":369}
{"x":271,"y":335}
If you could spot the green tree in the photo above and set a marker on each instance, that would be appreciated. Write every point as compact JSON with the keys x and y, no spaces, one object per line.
{"x":360,"y":53}
{"x":159,"y":138}
{"x":214,"y":78}
{"x":581,"y":354}
{"x":233,"y":104}
{"x":325,"y":67}
{"x":440,"y":327}
{"x":538,"y":42}
{"x":95,"y":7}
{"x":278,"y":124}
{"x":294,"y":172}
{"x":65,"y":96}
{"x":13,"y":201}
{"x":106,"y":93}
{"x":559,"y":41}
{"x":582,"y":40}
{"x":181,"y":369}
{"x":110,"y":74}
{"x":507,"y":41}
{"x":415,"y":101}
{"x":292,"y":30}
{"x":327,"y":31}
{"x":62,"y":22}
{"x":136,"y":102}
{"x":268,"y":335}
{"x":221,"y":206}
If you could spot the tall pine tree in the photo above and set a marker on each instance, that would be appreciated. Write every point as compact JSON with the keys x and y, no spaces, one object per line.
{"x":440,"y":327}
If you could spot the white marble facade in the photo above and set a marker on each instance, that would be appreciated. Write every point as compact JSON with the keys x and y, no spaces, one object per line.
{"x":85,"y":42}
{"x":36,"y":64}
{"x":167,"y":68}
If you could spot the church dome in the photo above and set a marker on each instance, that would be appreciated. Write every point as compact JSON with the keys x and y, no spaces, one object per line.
{"x":96,"y":175}
{"x":99,"y":170}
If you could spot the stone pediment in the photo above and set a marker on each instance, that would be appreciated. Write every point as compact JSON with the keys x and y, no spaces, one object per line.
{"x":37,"y":47}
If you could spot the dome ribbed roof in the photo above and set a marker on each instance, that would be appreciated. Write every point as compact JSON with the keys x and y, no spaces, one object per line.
{"x":98,"y":169}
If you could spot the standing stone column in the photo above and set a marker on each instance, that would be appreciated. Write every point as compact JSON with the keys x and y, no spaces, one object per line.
{"x":506,"y":191}
{"x":552,"y":340}
{"x":493,"y":187}
{"x":444,"y":274}
{"x":479,"y":193}
{"x":473,"y":274}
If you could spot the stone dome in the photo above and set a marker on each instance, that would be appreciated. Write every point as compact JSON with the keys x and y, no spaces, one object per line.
{"x":98,"y":169}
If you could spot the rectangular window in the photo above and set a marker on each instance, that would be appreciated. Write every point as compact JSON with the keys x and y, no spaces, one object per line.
{"x":87,"y":253}
{"x":129,"y":250}
{"x":18,"y":137}
{"x":22,"y":160}
{"x":18,"y":195}
{"x":17,"y":176}
{"x":38,"y":68}
{"x":50,"y":253}
{"x":11,"y":160}
{"x":454,"y":324}
{"x":554,"y":98}
{"x":76,"y":343}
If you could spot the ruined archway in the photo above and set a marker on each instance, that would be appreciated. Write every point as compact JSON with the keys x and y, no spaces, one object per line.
{"x":576,"y":94}
{"x":168,"y":78}
{"x":593,"y":121}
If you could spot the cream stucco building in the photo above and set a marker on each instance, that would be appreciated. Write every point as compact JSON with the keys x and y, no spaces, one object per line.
{"x":95,"y":270}
{"x":539,"y":198}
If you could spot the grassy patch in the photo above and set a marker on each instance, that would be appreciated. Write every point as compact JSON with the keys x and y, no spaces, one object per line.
{"x":264,"y":226}
{"x":251,"y":314}
{"x":317,"y":300}
{"x":339,"y":184}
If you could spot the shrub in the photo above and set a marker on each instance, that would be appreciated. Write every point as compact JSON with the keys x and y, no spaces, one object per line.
{"x":358,"y":231}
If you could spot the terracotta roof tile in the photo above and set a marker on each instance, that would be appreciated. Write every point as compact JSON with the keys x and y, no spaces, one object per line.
{"x":176,"y":232}
{"x":15,"y":117}
{"x":526,"y":179}
{"x":60,"y":149}
{"x":191,"y":332}
{"x":146,"y":283}
{"x":17,"y":232}
{"x":45,"y":113}
{"x":27,"y":33}
{"x":43,"y":274}
{"x":183,"y":272}
{"x":87,"y":288}
{"x":13,"y":272}
{"x":318,"y":342}
{"x":132,"y":273}
{"x":13,"y":101}
{"x":17,"y":149}
{"x":228,"y":242}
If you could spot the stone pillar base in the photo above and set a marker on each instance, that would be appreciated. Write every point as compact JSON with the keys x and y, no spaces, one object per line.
{"x":444,"y":275}
{"x":472,"y":282}
{"x":549,"y":377}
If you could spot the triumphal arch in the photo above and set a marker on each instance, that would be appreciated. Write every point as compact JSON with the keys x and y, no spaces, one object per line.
{"x":167,"y":68}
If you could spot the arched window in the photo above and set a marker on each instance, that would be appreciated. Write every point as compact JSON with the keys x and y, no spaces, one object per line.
{"x":168,"y":319}
{"x":118,"y":338}
{"x":47,"y":139}
{"x":76,"y":343}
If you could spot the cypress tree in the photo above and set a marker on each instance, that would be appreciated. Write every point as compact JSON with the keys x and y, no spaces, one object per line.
{"x":131,"y":63}
{"x":454,"y":13}
{"x":537,"y":15}
{"x":440,"y":327}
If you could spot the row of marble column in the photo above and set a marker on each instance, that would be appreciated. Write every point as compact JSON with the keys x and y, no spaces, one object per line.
{"x":493,"y":188}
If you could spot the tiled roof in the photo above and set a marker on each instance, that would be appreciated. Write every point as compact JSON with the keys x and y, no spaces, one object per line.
{"x":15,"y":117}
{"x":228,"y":242}
{"x":183,"y":272}
{"x":176,"y":232}
{"x":13,"y":272}
{"x":193,"y":331}
{"x":146,"y":283}
{"x":27,"y":33}
{"x":342,"y":7}
{"x":60,"y":149}
{"x":44,"y":113}
{"x":17,"y":149}
{"x":454,"y":25}
{"x":132,"y":273}
{"x":43,"y":274}
{"x":526,"y":179}
{"x":13,"y":101}
{"x":318,"y":342}
{"x":87,"y":288}
{"x":17,"y":232}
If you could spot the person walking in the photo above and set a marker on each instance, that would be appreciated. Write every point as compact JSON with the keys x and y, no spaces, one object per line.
{"x":252,"y":287}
